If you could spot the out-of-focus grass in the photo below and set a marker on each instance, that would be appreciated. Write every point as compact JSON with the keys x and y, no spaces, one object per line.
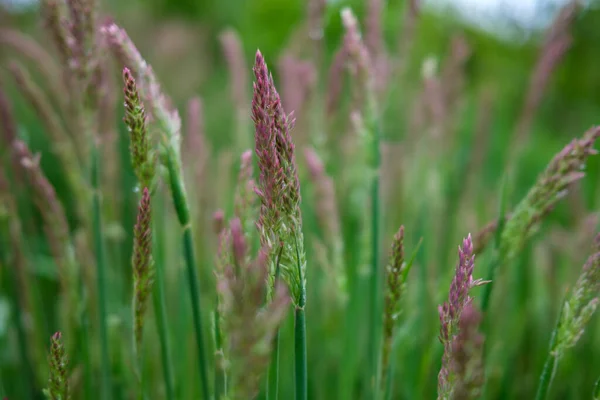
{"x":437,"y":194}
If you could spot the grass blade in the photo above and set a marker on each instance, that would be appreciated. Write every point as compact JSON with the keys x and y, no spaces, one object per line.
{"x":101,"y":275}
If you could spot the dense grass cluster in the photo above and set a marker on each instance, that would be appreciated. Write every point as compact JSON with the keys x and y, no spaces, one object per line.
{"x":137,"y":263}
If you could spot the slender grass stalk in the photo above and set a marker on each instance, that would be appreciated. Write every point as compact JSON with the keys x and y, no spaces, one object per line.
{"x":158,"y":299}
{"x":84,"y":341}
{"x":273,"y":374}
{"x":300,"y":357}
{"x":192,"y":276}
{"x":101,"y":275}
{"x":27,"y":369}
{"x":220,"y":377}
{"x":365,"y":92}
{"x":375,"y":283}
{"x":169,"y":122}
{"x":575,"y":312}
{"x":181,"y":206}
{"x":596,"y":394}
{"x":300,"y":338}
{"x":550,"y":366}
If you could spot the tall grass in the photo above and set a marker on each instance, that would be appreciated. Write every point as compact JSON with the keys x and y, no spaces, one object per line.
{"x":94,"y":211}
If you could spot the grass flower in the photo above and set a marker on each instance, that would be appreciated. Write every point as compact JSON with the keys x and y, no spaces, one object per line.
{"x":395,"y":276}
{"x":329,"y":221}
{"x":56,"y":229}
{"x":553,"y":184}
{"x":249,"y":325}
{"x":233,"y":50}
{"x":142,"y":264}
{"x":565,"y":169}
{"x":142,"y":155}
{"x":451,"y":313}
{"x":557,"y":42}
{"x":169,"y":123}
{"x":577,"y":309}
{"x":366,"y":121}
{"x":245,"y":198}
{"x":467,"y":352}
{"x":143,"y":161}
{"x":58,"y":383}
{"x":280,"y":218}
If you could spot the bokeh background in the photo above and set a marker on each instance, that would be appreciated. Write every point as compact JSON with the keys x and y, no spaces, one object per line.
{"x":512,"y":75}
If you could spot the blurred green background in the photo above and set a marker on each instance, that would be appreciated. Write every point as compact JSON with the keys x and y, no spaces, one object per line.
{"x":440,"y":199}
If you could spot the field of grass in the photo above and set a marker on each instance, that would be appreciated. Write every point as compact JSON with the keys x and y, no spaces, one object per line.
{"x":377,"y":203}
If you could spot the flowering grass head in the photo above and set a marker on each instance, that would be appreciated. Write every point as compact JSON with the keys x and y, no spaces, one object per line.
{"x":451,"y":313}
{"x":280,"y":219}
{"x":249,"y":324}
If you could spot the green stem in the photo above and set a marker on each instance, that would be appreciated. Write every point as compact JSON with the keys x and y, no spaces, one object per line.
{"x":220,"y":378}
{"x":551,"y":363}
{"x":101,"y":275}
{"x":547,"y":377}
{"x":188,"y":243}
{"x":596,"y":394}
{"x":375,"y":282}
{"x":273,"y":374}
{"x":273,"y":378}
{"x":387,"y":394}
{"x":300,"y":349}
{"x":27,"y":369}
{"x":158,"y":298}
{"x":300,"y":339}
{"x":183,"y":214}
{"x":84,"y":346}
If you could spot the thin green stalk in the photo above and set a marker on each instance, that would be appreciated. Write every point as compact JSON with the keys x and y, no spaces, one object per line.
{"x":183,"y":214}
{"x":101,"y":275}
{"x":188,"y":244}
{"x":84,"y":345}
{"x":273,"y":374}
{"x":158,"y":299}
{"x":375,"y":282}
{"x":273,"y":377}
{"x":220,"y":378}
{"x":596,"y":394}
{"x":387,"y":395}
{"x":27,"y":369}
{"x":300,"y":341}
{"x":551,"y":362}
{"x":548,"y":373}
{"x":300,"y":349}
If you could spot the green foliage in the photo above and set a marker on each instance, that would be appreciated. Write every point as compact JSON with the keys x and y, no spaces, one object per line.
{"x":440,"y":176}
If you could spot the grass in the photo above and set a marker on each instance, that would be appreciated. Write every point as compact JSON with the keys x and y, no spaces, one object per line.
{"x":303,"y":302}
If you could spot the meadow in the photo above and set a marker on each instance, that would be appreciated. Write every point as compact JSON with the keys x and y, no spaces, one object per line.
{"x":296,"y":199}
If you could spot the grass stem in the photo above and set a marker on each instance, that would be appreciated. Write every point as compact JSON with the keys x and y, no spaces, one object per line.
{"x":188,"y":244}
{"x":300,"y":349}
{"x":375,"y":282}
{"x":183,"y":214}
{"x":158,"y":298}
{"x":546,"y":377}
{"x":301,"y":370}
{"x":220,"y":378}
{"x":101,"y":275}
{"x":273,"y":374}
